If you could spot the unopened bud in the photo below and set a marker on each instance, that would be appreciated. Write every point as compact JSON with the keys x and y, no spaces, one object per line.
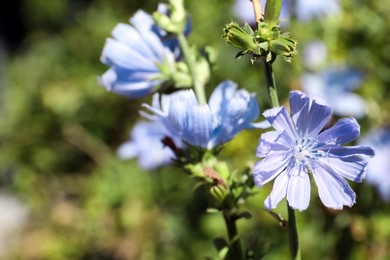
{"x":236,"y":36}
{"x":286,"y":47}
{"x":219,"y":192}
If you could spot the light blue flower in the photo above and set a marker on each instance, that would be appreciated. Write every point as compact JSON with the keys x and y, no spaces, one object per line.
{"x":307,"y":10}
{"x":243,"y":9}
{"x":136,"y":55}
{"x":146,"y":144}
{"x":335,"y":85}
{"x":297,"y":149}
{"x":378,"y":171}
{"x":228,"y":112}
{"x":314,"y":54}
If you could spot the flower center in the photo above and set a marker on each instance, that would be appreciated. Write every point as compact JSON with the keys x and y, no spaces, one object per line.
{"x":303,"y":149}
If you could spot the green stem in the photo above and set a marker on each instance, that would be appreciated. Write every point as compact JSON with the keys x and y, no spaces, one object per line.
{"x":191,"y":63}
{"x":235,"y":249}
{"x":292,"y":224}
{"x":293,"y":235}
{"x":271,"y":85}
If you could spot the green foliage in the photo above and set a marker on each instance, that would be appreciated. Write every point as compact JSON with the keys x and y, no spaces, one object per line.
{"x":59,"y":131}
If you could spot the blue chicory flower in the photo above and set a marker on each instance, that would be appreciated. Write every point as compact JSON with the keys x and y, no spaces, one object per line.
{"x":228,"y":112}
{"x":243,"y":9}
{"x":146,"y":144}
{"x":305,"y":10}
{"x":314,"y":54}
{"x":378,"y":171}
{"x":336,"y":85}
{"x":297,"y":148}
{"x":136,"y":55}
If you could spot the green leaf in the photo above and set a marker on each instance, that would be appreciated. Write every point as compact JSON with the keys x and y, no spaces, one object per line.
{"x":272,"y":11}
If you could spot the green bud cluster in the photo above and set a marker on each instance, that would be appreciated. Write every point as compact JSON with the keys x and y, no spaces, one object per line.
{"x":266,"y":42}
{"x":239,"y":37}
{"x":176,"y":21}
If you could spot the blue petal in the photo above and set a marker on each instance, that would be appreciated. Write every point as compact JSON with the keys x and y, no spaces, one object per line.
{"x":191,"y":121}
{"x":268,"y":168}
{"x":232,"y":111}
{"x":309,"y":115}
{"x":299,"y":104}
{"x":199,"y":129}
{"x":260,"y":125}
{"x":129,"y":36}
{"x":118,"y":79}
{"x":221,"y":96}
{"x":127,"y":150}
{"x":145,"y":144}
{"x":333,"y":190}
{"x":278,"y":192}
{"x":352,"y":168}
{"x":245,"y":107}
{"x":165,"y":102}
{"x":273,"y":141}
{"x":346,"y":151}
{"x":178,"y":115}
{"x":119,"y":54}
{"x":134,"y":89}
{"x":344,"y":131}
{"x":298,"y":190}
{"x":144,"y":23}
{"x":241,"y":110}
{"x":280,"y":119}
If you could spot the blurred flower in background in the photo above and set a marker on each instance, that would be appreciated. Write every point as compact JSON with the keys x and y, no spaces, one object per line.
{"x":228,"y":112}
{"x":243,"y":9}
{"x":146,"y":145}
{"x":13,"y":215}
{"x":379,"y":167}
{"x":297,"y":148}
{"x":138,"y":54}
{"x":82,"y":204}
{"x":335,"y":85}
{"x":307,"y":10}
{"x":314,"y":54}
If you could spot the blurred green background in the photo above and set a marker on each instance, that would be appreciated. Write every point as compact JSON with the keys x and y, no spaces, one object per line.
{"x":73,"y":199}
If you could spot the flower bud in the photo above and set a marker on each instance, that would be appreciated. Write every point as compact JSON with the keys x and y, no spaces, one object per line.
{"x":219,"y":192}
{"x":236,"y":36}
{"x":267,"y":41}
{"x":284,"y":46}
